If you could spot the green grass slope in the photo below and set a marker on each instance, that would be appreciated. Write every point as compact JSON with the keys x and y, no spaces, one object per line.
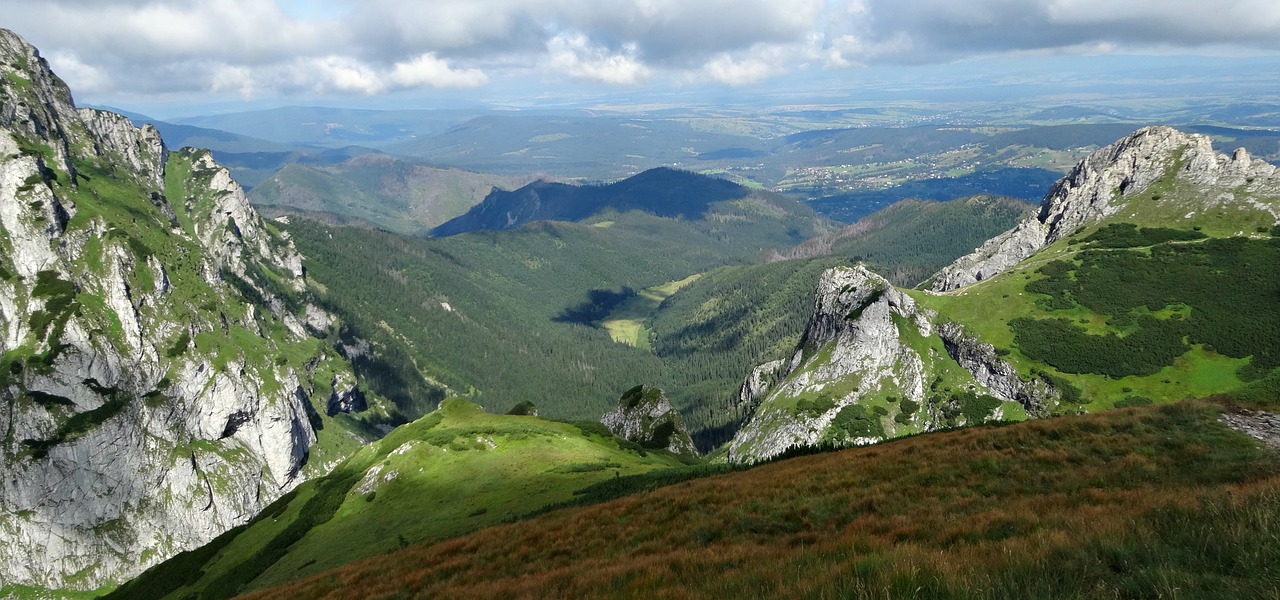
{"x":1127,"y":315}
{"x":456,"y":470}
{"x":1159,"y":501}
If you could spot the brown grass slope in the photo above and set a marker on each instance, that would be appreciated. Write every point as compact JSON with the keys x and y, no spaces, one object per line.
{"x":1160,"y":501}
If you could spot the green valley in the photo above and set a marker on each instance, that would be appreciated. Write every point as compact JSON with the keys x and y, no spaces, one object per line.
{"x":508,"y":316}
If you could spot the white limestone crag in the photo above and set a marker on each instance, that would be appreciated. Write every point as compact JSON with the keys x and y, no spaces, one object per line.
{"x":1104,"y":183}
{"x":147,"y":403}
{"x":852,"y":348}
{"x":645,"y":416}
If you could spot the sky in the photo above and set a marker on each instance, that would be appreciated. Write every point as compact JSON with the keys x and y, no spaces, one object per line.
{"x":190,"y":55}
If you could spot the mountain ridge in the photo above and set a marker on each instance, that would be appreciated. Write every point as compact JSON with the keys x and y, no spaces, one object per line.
{"x":878,"y":362}
{"x":161,"y":365}
{"x":662,"y":191}
{"x":1097,"y":187}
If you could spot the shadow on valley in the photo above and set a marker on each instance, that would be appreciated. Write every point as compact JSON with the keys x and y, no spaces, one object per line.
{"x":596,"y":307}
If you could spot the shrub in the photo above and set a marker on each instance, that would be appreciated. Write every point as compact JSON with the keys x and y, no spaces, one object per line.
{"x":856,"y":421}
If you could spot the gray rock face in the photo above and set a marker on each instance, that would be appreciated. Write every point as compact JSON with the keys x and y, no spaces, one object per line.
{"x":866,"y":342}
{"x":1103,"y":184}
{"x":759,"y":382}
{"x":645,"y":416}
{"x":147,"y":403}
{"x":994,"y":373}
{"x":852,"y":348}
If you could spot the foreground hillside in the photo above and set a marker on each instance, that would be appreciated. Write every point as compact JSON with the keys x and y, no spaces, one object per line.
{"x":456,"y":470}
{"x":1159,"y":501}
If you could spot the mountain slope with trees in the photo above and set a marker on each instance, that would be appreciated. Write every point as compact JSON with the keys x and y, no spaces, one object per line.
{"x":1142,"y":278}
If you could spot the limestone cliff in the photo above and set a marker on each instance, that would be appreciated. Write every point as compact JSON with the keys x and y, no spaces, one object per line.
{"x":158,"y":381}
{"x":645,"y":416}
{"x":875,"y":364}
{"x":1109,"y":180}
{"x":852,"y":348}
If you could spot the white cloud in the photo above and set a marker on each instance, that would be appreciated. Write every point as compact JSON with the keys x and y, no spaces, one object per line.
{"x":430,"y":70}
{"x":88,"y":78}
{"x":575,"y":55}
{"x":751,"y":67}
{"x":253,"y":48}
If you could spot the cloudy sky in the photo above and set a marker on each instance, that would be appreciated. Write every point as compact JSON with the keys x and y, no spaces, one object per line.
{"x":179,"y":53}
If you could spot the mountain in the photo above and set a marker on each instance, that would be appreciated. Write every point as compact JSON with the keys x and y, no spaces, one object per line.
{"x":664,"y":192}
{"x":376,"y":190}
{"x":456,"y":470}
{"x":1193,"y":185}
{"x":588,"y":144}
{"x":164,"y":375}
{"x":1144,"y":277}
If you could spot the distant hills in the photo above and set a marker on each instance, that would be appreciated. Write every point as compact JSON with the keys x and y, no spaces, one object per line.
{"x":251,"y":159}
{"x":850,"y":163}
{"x":377,"y":190}
{"x":663,"y":192}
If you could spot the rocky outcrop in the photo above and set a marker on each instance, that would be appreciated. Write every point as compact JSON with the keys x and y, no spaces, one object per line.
{"x":645,"y":416}
{"x":157,"y":386}
{"x":759,"y":382}
{"x":870,"y":367}
{"x":994,"y":373}
{"x":852,"y":348}
{"x":1104,"y":183}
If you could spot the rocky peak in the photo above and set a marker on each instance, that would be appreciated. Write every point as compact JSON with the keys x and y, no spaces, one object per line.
{"x":37,"y":107}
{"x":841,"y":297}
{"x":1104,"y":183}
{"x":645,"y":416}
{"x":852,"y":349}
{"x":139,"y":152}
{"x":157,"y":385}
{"x":33,"y":101}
